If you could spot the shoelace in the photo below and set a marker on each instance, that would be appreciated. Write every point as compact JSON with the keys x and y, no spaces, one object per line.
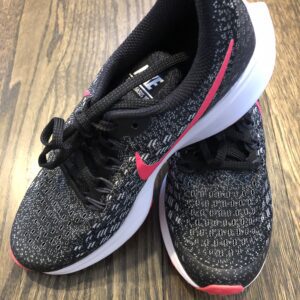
{"x":232,"y":149}
{"x":88,"y":135}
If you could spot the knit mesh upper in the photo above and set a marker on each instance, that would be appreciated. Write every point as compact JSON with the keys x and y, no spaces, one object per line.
{"x":220,"y":220}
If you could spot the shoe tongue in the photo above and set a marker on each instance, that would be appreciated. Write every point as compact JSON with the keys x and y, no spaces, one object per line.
{"x":159,"y":86}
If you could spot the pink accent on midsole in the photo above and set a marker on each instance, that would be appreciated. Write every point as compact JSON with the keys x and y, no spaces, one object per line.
{"x":259,"y":107}
{"x":86,"y":93}
{"x":222,"y":289}
{"x":16,"y":261}
{"x":145,"y":170}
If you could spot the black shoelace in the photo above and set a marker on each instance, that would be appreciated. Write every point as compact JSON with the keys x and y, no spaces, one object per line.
{"x":87,"y":138}
{"x":232,"y":149}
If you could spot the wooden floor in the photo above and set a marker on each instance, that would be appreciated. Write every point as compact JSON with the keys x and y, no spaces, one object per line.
{"x":50,"y":50}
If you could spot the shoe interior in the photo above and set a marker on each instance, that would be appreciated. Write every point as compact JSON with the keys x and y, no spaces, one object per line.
{"x":172,"y":26}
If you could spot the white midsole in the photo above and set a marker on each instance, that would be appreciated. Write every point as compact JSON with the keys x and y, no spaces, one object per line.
{"x":240,"y":98}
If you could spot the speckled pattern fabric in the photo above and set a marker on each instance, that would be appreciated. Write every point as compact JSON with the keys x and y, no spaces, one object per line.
{"x":76,"y":230}
{"x":220,"y":220}
{"x":44,"y":224}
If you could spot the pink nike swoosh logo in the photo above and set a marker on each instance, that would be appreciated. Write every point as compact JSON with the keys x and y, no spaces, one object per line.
{"x":145,"y":170}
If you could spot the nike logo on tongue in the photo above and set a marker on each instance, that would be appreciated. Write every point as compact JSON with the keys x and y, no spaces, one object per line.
{"x":157,"y":87}
{"x":144,"y":170}
{"x":144,"y":90}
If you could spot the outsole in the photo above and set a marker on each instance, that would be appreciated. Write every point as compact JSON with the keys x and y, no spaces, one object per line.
{"x":240,"y":98}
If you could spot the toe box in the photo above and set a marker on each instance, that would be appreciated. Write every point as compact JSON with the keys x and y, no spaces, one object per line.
{"x":50,"y":223}
{"x":224,"y":273}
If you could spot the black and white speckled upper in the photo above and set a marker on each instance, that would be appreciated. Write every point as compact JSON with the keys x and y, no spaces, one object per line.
{"x":53,"y":228}
{"x":220,"y":220}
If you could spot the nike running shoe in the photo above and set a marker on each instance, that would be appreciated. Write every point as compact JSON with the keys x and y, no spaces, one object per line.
{"x":216,"y":208}
{"x":182,"y":75}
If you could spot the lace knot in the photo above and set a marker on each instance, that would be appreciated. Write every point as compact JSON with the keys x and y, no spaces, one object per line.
{"x":55,"y":149}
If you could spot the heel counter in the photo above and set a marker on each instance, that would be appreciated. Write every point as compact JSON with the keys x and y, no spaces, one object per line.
{"x":243,"y":33}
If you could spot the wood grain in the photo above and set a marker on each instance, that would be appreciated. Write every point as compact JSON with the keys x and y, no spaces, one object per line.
{"x":50,"y":51}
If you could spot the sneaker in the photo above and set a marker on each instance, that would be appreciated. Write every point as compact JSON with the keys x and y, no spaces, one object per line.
{"x":187,"y":65}
{"x":216,"y":209}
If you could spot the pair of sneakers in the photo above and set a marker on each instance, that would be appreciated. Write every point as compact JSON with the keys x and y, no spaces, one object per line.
{"x":187,"y":72}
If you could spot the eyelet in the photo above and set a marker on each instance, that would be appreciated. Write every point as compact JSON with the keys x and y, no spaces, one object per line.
{"x":135,"y":126}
